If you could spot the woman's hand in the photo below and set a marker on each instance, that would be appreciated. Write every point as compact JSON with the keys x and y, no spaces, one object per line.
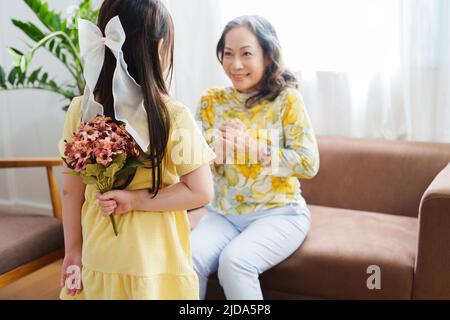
{"x":235,"y":136}
{"x":118,"y":201}
{"x":71,"y":273}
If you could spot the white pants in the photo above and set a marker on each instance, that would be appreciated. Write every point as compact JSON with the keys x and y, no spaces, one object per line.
{"x":239,"y":248}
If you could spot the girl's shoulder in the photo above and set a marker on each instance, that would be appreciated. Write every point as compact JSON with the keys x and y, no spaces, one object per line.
{"x":75,"y":104}
{"x":178,"y":111}
{"x":174,"y":106}
{"x":74,"y":112}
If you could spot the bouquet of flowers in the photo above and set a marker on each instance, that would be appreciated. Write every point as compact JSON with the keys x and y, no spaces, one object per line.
{"x":104,"y":154}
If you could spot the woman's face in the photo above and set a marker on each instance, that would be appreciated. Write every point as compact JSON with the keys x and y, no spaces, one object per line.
{"x":243,"y":59}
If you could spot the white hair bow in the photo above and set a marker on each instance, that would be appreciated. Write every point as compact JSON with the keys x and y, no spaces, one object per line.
{"x":127,"y":94}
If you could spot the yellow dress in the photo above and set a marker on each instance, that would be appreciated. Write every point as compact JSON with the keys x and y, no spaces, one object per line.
{"x":151,"y":256}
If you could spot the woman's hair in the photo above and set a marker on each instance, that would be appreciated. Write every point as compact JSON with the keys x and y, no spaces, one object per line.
{"x":145,"y":23}
{"x":276,"y":77}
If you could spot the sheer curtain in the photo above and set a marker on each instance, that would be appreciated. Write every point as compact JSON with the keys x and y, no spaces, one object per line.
{"x":367,"y":68}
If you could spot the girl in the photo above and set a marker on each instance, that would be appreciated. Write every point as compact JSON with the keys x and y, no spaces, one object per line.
{"x":151,"y":256}
{"x":258,"y":216}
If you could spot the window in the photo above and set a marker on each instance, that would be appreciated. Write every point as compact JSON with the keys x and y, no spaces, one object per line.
{"x":330,"y":35}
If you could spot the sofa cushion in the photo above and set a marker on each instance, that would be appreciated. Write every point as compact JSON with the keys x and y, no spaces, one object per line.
{"x":333,"y":260}
{"x":332,"y":263}
{"x":25,"y":237}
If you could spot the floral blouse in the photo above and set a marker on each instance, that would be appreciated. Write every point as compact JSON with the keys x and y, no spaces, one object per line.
{"x":283,"y":125}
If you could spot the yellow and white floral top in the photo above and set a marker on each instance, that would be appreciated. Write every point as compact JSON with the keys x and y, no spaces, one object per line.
{"x":284,"y":126}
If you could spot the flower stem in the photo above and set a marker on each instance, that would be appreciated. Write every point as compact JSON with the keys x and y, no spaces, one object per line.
{"x":113,"y":221}
{"x":111,"y":216}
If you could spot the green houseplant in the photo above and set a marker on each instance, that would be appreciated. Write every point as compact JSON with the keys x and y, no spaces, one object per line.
{"x":60,"y":37}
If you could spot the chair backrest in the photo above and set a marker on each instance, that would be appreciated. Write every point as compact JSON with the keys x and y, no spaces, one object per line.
{"x":375,"y":175}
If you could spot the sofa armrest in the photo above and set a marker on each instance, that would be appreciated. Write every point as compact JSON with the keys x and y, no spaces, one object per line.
{"x":432,"y":266}
{"x":48,"y":163}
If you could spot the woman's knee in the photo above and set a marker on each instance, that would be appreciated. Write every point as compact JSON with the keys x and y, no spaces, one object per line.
{"x":232,"y":261}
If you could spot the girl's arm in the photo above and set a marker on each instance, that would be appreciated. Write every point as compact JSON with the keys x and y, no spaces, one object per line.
{"x":72,"y":202}
{"x":194,"y":190}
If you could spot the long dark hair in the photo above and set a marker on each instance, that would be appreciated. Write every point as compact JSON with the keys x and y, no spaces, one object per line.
{"x":276,"y":76}
{"x":145,"y":23}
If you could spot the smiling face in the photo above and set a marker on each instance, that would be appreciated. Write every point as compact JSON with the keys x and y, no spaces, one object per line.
{"x":243,"y":59}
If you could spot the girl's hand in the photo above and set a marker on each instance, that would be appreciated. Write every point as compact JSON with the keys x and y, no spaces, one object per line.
{"x":71,"y":273}
{"x":116,"y":201}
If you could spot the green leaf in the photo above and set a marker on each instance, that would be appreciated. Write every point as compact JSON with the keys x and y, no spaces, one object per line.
{"x":51,"y":44}
{"x":95,"y":170}
{"x":45,"y":15}
{"x":21,"y":78}
{"x":13,"y":75}
{"x":56,"y":22}
{"x":89,"y":180}
{"x":44,"y":77}
{"x":2,"y":76}
{"x":116,"y":165}
{"x":33,"y":76}
{"x":43,"y":10}
{"x":23,"y":64}
{"x":129,"y":168}
{"x":33,"y":4}
{"x":58,"y":51}
{"x":53,"y":84}
{"x":16,"y":56}
{"x":111,"y":170}
{"x":29,"y":29}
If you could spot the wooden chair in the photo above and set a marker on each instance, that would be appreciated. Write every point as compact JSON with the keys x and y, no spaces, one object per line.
{"x":44,"y":243}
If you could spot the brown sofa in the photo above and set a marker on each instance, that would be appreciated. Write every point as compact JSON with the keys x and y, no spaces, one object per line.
{"x":29,"y":241}
{"x":373,"y":202}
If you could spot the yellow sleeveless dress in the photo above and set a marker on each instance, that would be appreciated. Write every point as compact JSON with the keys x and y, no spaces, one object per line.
{"x":151,"y":256}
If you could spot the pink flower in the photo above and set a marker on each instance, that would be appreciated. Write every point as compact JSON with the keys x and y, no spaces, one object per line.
{"x":104,"y":157}
{"x":98,"y":141}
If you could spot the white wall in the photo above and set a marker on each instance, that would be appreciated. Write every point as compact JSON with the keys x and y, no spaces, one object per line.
{"x":31,"y":121}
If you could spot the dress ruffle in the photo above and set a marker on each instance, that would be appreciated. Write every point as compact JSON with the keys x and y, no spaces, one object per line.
{"x":114,"y":286}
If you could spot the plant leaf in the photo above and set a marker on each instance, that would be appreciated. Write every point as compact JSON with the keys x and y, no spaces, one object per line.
{"x":29,"y":29}
{"x":23,"y":64}
{"x":13,"y":75}
{"x":51,"y":44}
{"x":2,"y":76}
{"x":58,"y":51}
{"x":33,"y":76}
{"x":48,"y":17}
{"x":16,"y":56}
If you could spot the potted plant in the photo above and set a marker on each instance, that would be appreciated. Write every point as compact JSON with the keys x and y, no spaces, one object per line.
{"x":60,"y":38}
